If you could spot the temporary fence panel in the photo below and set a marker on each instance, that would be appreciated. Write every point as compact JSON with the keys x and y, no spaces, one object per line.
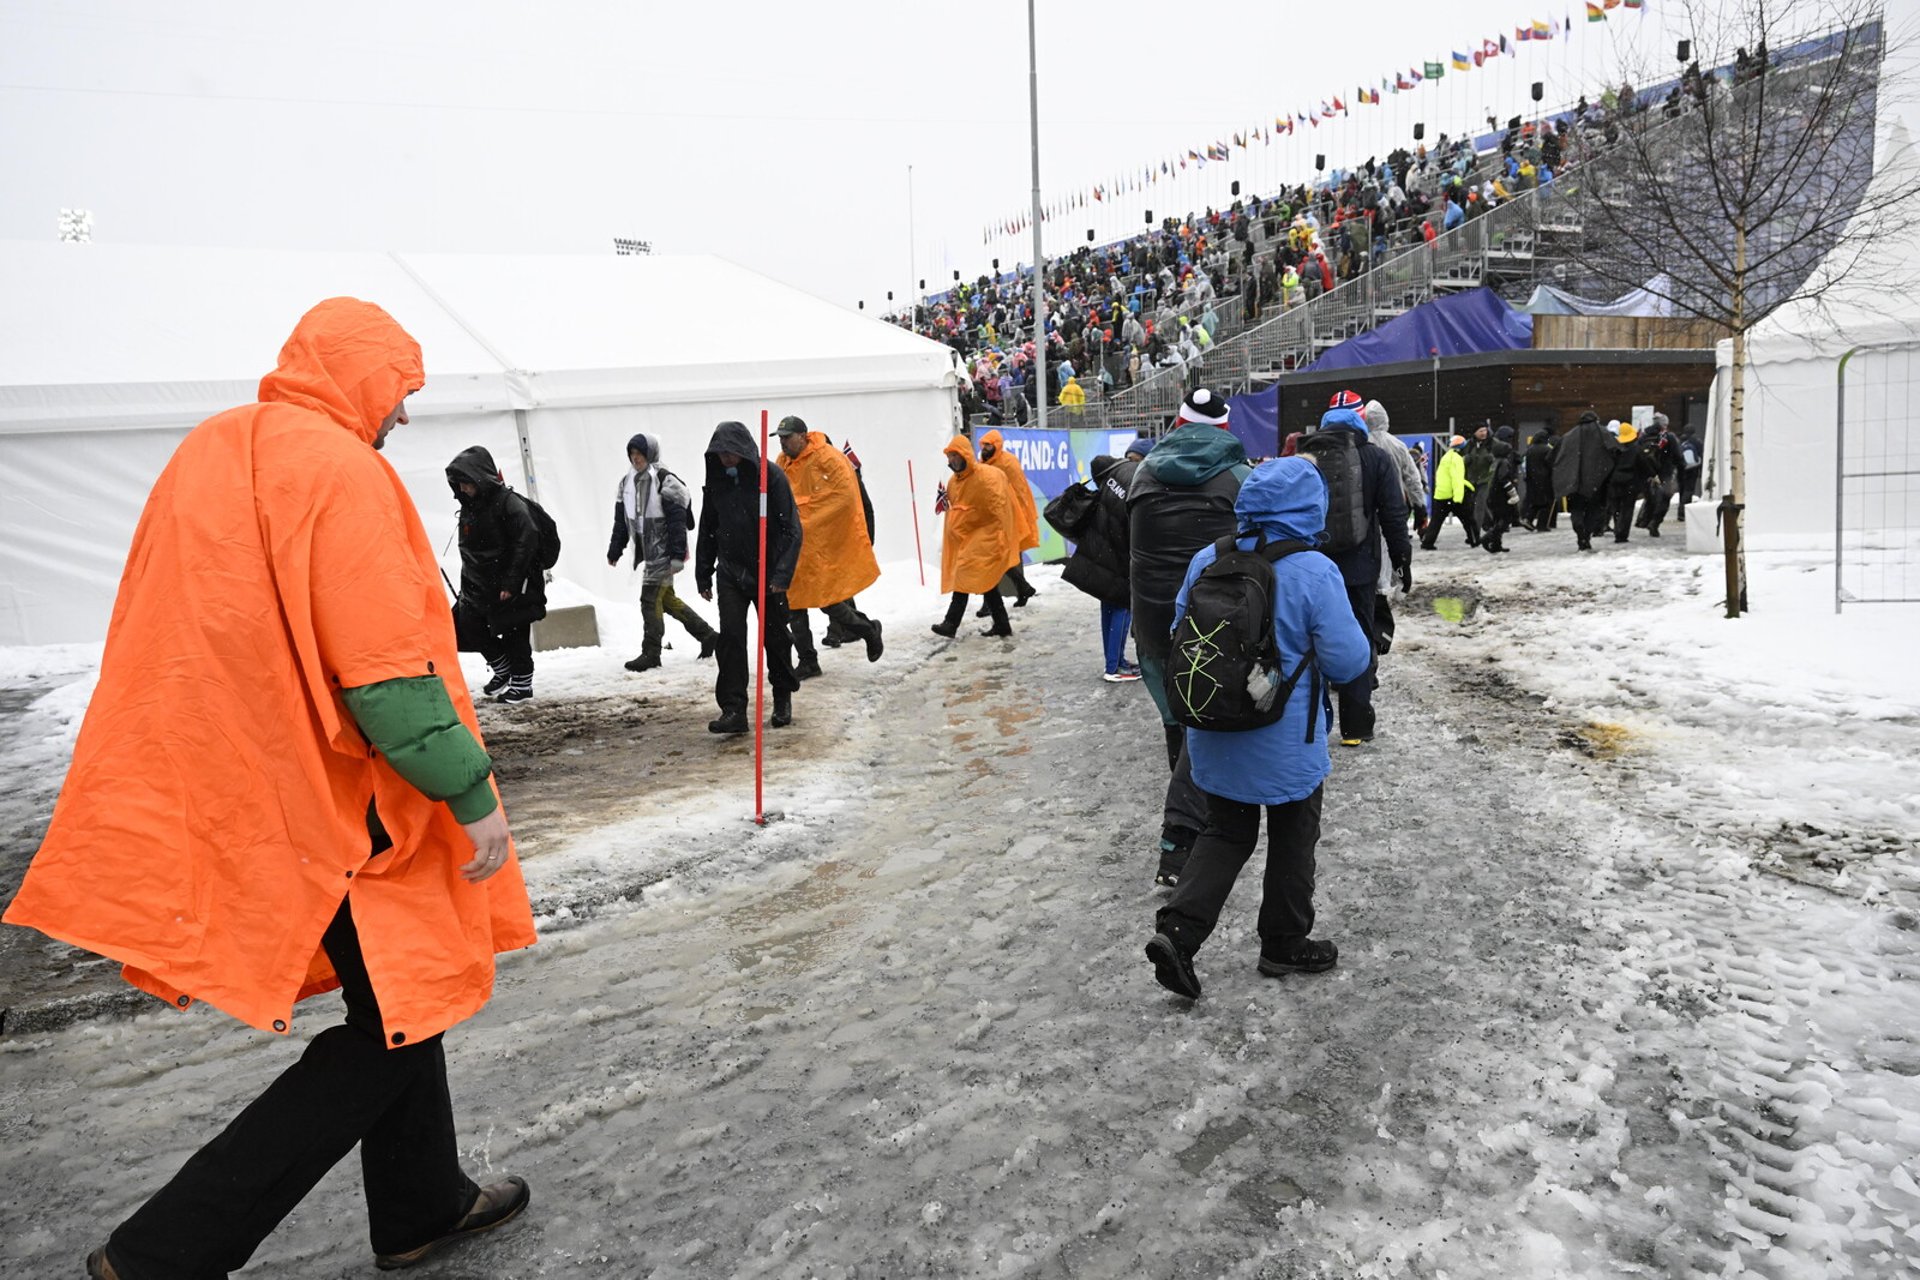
{"x":1876,"y":554}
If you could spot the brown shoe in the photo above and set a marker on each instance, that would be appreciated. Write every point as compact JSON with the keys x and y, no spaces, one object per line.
{"x":495,"y":1206}
{"x":98,"y":1267}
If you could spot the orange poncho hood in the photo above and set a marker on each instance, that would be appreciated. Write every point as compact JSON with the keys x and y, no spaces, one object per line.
{"x":349,"y":360}
{"x":1026,"y":512}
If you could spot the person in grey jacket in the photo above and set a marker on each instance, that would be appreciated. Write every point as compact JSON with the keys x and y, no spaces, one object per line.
{"x":1413,"y":485}
{"x":652,"y":510}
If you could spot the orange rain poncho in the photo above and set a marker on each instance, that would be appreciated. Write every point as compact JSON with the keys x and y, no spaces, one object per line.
{"x":1026,"y":514}
{"x":978,"y":546}
{"x":836,"y":556}
{"x":215,"y":813}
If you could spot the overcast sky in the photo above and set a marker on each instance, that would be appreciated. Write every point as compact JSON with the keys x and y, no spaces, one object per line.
{"x":775,"y":134}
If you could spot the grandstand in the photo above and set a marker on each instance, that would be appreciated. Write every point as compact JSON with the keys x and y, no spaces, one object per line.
{"x":1578,"y":228}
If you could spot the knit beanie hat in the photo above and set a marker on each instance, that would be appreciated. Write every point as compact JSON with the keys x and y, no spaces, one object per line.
{"x":1204,"y":407}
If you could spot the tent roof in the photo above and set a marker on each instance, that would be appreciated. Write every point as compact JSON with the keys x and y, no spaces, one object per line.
{"x":137,"y":334}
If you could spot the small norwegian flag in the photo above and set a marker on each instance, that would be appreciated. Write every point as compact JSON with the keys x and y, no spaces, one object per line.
{"x":852,"y":457}
{"x":940,"y":501}
{"x":1345,"y":400}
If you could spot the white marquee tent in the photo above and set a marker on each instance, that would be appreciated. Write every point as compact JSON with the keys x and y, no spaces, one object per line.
{"x":110,"y":353}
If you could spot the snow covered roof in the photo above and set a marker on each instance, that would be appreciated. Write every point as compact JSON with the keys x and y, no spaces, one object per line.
{"x":136,"y":335}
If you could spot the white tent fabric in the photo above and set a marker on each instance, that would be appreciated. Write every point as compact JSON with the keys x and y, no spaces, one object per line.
{"x":1792,"y":383}
{"x":1653,"y":299}
{"x":109,"y":354}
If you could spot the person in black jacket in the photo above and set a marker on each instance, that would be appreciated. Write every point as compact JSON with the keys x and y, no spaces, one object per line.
{"x":1632,"y":467}
{"x":1499,"y":506}
{"x":728,"y":555}
{"x":1662,"y":448}
{"x":1098,"y":565}
{"x":502,"y":592}
{"x":1542,"y":509}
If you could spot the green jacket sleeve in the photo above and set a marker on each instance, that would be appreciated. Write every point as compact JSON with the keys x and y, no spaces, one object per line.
{"x":412,"y":723}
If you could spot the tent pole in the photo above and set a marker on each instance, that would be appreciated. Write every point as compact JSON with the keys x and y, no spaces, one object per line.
{"x":526,"y":452}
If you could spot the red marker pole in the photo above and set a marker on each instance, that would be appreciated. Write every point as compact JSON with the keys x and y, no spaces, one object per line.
{"x":913,"y":502}
{"x":760,"y":650}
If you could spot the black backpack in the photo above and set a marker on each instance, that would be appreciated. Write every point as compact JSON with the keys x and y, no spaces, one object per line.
{"x":548,"y":553}
{"x":1336,"y":451}
{"x":1224,"y":671}
{"x":1070,"y":513}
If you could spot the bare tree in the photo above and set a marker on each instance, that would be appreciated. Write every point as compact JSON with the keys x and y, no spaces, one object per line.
{"x":1749,"y":184}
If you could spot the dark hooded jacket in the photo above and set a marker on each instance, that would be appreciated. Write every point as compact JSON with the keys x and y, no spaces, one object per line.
{"x":1385,"y":502}
{"x":1098,"y":565}
{"x":659,"y":539}
{"x":1583,"y":460}
{"x":499,"y":547}
{"x":1181,"y":500}
{"x":730,"y":517}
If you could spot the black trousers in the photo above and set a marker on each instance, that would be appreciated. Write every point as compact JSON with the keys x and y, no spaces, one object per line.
{"x":1441,"y":510}
{"x":348,"y":1088}
{"x":1355,"y":698}
{"x":1620,"y":504}
{"x":996,"y":609}
{"x":1233,"y":829}
{"x":1587,"y":515}
{"x":843,"y":615}
{"x":1659,"y":501}
{"x":730,"y":685}
{"x":512,"y":645}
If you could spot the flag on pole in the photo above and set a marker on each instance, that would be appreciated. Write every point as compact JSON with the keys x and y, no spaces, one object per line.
{"x":1415,"y":73}
{"x":1635,"y":4}
{"x":1523,"y":33}
{"x":1461,"y":62}
{"x":1435,"y":70}
{"x":1543,"y":31}
{"x":1594,"y":12}
{"x":940,"y":500}
{"x":1492,"y":50}
{"x":1610,"y":4}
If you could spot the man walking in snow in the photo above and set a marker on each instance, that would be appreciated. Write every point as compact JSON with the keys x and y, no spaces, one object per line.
{"x":836,"y":551}
{"x":502,"y":587}
{"x":651,"y":507}
{"x":1413,"y":487}
{"x":1279,"y":767}
{"x":1582,"y":466}
{"x":978,"y":541}
{"x":280,"y":789}
{"x":727,"y":558}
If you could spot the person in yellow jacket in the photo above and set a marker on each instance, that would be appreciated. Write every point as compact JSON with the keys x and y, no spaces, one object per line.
{"x":836,"y":555}
{"x":279,"y":790}
{"x":1073,"y":396}
{"x":1025,"y":512}
{"x":978,"y":543}
{"x":1452,"y":494}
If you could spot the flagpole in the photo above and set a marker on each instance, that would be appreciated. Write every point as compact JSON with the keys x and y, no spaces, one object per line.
{"x":1039,"y":252}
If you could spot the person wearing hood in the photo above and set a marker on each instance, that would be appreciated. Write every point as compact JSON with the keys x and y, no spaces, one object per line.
{"x":1632,"y":468}
{"x":502,"y":587}
{"x":1098,"y":565}
{"x":1413,"y":486}
{"x":651,"y":507}
{"x":1541,"y":508}
{"x":1499,"y":500}
{"x":1582,"y":467}
{"x":978,"y":541}
{"x":1280,"y":767}
{"x":280,"y":789}
{"x":1452,"y":496}
{"x":1026,"y":513}
{"x":727,"y":559}
{"x":836,"y":551}
{"x":1181,"y":500}
{"x":1662,"y":451}
{"x":1385,"y":514}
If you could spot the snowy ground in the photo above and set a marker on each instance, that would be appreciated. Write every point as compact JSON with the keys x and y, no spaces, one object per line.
{"x":1603,"y":1007}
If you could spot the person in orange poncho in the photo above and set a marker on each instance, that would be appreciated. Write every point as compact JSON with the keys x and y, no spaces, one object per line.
{"x":1026,"y":514}
{"x":280,"y":789}
{"x":980,"y":541}
{"x":836,"y":552}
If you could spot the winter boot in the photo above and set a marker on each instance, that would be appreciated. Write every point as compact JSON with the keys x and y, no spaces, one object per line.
{"x":1176,"y":846}
{"x":729,"y":722}
{"x":495,"y":1206}
{"x":519,"y":689}
{"x":1172,"y":967}
{"x":645,"y":662}
{"x":807,"y":668}
{"x":1307,"y":956}
{"x":500,"y":677}
{"x":999,"y":629}
{"x":874,"y":647}
{"x":782,"y":709}
{"x":947,"y":629}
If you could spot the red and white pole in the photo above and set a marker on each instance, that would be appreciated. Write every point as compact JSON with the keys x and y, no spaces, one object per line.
{"x":760,"y":649}
{"x":913,"y":504}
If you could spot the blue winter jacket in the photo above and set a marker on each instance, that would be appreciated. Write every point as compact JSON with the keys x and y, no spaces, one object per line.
{"x":1285,"y":499}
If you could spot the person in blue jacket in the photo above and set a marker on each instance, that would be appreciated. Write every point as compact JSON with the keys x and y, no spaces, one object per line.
{"x":1280,"y":766}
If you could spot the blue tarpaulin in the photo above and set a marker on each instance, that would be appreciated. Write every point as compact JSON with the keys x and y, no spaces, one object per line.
{"x":1460,"y":324}
{"x":1254,"y":419}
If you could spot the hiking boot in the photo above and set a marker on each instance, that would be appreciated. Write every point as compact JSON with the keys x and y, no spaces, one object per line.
{"x":729,"y":722}
{"x":495,"y":1206}
{"x":1020,"y":600}
{"x":782,"y":709}
{"x":833,"y":640}
{"x":808,"y":668}
{"x":1355,"y":739}
{"x":982,"y":611}
{"x":519,"y":689}
{"x":1309,"y":956}
{"x":100,"y":1267}
{"x":874,"y":647}
{"x":1173,"y":968}
{"x":500,"y":677}
{"x":645,"y":662}
{"x":999,"y":630}
{"x":947,"y":629}
{"x":708,"y":643}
